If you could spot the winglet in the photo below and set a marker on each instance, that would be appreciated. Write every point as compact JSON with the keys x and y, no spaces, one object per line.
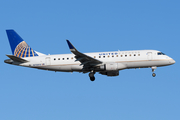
{"x":83,"y":58}
{"x":70,"y":45}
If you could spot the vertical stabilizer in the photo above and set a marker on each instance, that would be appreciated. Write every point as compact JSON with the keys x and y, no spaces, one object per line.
{"x":18,"y":46}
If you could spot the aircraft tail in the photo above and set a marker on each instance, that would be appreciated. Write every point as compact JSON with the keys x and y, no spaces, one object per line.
{"x":18,"y":46}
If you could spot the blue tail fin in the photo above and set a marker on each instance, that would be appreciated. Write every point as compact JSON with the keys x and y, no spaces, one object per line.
{"x":18,"y":46}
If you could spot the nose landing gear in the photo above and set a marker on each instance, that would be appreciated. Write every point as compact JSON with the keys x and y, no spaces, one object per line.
{"x":154,"y":74}
{"x":153,"y":69}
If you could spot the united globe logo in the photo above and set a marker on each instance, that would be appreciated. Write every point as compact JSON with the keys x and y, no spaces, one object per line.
{"x":24,"y":50}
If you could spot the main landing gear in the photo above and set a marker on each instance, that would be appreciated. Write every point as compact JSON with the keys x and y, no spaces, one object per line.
{"x":153,"y":69}
{"x":91,"y":75}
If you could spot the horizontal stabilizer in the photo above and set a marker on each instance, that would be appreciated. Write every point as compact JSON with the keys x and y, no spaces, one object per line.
{"x":17,"y":59}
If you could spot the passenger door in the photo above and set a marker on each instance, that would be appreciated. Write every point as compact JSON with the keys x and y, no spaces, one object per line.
{"x":149,"y":56}
{"x":48,"y":60}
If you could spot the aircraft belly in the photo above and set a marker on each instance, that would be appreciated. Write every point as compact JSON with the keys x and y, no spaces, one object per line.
{"x":56,"y":68}
{"x":138,"y":64}
{"x":67,"y":68}
{"x":142,"y":64}
{"x":76,"y":68}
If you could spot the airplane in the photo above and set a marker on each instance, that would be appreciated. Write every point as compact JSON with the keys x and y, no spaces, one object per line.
{"x":106,"y":63}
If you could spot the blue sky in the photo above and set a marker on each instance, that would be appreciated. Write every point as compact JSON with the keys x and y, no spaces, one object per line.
{"x":100,"y":25}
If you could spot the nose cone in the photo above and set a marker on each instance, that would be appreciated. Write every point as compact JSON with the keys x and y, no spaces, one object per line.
{"x":172,"y":61}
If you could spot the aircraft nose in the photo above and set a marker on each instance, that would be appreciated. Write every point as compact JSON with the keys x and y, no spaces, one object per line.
{"x":172,"y":61}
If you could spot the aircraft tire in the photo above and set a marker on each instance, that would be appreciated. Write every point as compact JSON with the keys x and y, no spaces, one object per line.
{"x":92,"y":78}
{"x":154,"y":74}
{"x":91,"y":74}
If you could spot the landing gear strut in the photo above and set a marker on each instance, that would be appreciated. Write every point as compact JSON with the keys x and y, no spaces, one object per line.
{"x":153,"y":69}
{"x":91,"y":75}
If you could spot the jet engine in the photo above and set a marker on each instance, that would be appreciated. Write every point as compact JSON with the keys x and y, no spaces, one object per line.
{"x":112,"y":66}
{"x":110,"y":73}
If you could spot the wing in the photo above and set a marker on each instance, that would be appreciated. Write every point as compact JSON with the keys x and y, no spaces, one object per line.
{"x":85,"y":60}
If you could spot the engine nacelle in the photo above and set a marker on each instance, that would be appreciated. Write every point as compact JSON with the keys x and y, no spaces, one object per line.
{"x":112,"y":66}
{"x":110,"y":73}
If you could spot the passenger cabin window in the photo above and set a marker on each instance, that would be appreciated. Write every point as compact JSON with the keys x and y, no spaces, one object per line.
{"x":58,"y":58}
{"x":160,"y":53}
{"x":54,"y":58}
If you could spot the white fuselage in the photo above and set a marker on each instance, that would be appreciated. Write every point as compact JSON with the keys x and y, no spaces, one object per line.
{"x":124,"y":60}
{"x":105,"y":63}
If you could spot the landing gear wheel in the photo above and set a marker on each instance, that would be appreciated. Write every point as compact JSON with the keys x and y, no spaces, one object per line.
{"x":154,"y":74}
{"x":91,"y":75}
{"x":92,"y":78}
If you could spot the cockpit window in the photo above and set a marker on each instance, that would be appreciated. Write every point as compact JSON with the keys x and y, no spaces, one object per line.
{"x":160,"y":53}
